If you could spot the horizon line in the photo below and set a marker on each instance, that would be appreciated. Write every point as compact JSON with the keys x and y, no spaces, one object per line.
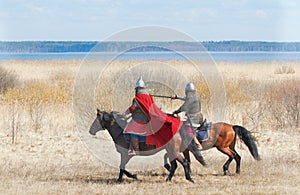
{"x":233,"y":40}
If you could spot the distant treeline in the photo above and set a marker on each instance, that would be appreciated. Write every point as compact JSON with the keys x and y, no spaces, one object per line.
{"x":86,"y":46}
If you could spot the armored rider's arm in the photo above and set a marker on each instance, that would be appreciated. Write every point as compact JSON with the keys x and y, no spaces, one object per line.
{"x":180,"y":97}
{"x":131,"y":109}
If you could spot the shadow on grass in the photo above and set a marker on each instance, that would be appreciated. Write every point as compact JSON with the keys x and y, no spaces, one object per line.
{"x":111,"y":178}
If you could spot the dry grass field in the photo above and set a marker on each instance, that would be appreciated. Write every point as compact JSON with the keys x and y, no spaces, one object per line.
{"x":42,"y":153}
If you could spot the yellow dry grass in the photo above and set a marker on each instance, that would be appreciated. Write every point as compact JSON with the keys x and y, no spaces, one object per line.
{"x":48,"y":157}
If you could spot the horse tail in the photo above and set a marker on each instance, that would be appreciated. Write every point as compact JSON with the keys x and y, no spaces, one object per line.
{"x":246,"y":136}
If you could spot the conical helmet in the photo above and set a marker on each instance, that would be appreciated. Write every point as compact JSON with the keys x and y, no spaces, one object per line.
{"x":190,"y":87}
{"x":140,"y":83}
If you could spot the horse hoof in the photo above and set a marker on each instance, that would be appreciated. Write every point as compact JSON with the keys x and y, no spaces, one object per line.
{"x":191,"y":180}
{"x":119,"y":180}
{"x":168,"y":179}
{"x":134,"y":176}
{"x":203,"y":163}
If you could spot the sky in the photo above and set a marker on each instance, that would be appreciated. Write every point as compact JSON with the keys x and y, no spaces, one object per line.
{"x":204,"y":20}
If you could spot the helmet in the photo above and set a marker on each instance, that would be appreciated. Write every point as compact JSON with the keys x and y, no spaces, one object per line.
{"x":140,"y":83}
{"x":190,"y":87}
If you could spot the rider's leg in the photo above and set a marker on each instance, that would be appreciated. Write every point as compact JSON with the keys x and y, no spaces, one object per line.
{"x":191,"y":133}
{"x":199,"y":146}
{"x":134,"y":145}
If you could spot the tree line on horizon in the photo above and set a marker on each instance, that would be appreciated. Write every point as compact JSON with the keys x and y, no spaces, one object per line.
{"x":114,"y":46}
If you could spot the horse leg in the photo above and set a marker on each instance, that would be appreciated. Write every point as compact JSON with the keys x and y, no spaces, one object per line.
{"x":124,"y":160}
{"x":186,"y":155}
{"x":172,"y":169}
{"x":237,"y":159}
{"x":226,"y":165}
{"x":120,"y":178}
{"x":193,"y":148}
{"x":173,"y":149}
{"x":231,"y":156}
{"x":128,"y":174}
{"x":186,"y":168}
{"x":166,"y":164}
{"x":184,"y":162}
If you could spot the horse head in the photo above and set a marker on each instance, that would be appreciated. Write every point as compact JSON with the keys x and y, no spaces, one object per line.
{"x":102,"y":122}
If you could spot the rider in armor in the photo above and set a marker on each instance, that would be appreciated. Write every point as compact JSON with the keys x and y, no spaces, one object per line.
{"x":138,"y":117}
{"x":192,"y":109}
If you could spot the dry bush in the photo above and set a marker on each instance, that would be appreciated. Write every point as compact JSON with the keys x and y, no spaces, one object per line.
{"x":35,"y":97}
{"x":253,"y":115}
{"x":8,"y":79}
{"x":283,"y":100}
{"x":235,"y":99}
{"x":284,"y":70}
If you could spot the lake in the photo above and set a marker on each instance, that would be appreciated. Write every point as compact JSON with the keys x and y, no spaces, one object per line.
{"x":217,"y":56}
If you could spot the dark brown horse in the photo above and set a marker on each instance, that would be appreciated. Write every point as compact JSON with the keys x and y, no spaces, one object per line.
{"x":223,"y":137}
{"x":112,"y":123}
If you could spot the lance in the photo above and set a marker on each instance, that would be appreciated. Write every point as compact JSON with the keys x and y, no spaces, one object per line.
{"x":161,"y":96}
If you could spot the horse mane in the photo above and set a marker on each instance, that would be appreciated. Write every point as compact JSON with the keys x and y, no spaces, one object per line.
{"x":119,"y":118}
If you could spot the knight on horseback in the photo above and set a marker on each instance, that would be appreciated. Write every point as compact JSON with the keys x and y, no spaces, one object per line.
{"x":138,"y":117}
{"x":149,"y":123}
{"x":192,"y":109}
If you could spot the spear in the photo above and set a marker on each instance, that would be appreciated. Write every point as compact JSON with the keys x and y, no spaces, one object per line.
{"x":161,"y":96}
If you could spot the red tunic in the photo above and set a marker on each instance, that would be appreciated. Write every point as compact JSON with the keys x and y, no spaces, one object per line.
{"x":160,"y":129}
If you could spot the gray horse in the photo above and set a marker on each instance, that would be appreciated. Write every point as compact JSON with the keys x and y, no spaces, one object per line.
{"x":114,"y":123}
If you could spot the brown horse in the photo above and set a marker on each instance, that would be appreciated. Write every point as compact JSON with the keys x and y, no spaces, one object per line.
{"x":223,"y":137}
{"x":112,"y":123}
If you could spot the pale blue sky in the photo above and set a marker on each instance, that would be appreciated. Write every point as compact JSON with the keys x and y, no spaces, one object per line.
{"x":204,"y":20}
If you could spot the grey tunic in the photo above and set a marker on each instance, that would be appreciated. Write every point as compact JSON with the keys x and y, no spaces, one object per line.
{"x":192,"y":108}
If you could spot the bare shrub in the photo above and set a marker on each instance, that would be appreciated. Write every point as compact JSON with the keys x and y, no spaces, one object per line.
{"x":253,"y":115}
{"x":14,"y":121}
{"x":235,"y":99}
{"x":14,"y":103}
{"x":283,"y":99}
{"x":285,"y":70}
{"x":36,"y":95}
{"x":8,"y":79}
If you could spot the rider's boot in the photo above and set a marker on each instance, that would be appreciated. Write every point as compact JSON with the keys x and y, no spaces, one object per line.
{"x":134,"y":147}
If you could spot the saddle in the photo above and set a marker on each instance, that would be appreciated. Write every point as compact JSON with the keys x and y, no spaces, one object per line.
{"x":204,"y":126}
{"x":202,"y":131}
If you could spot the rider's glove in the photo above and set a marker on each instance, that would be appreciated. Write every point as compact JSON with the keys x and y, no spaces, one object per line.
{"x":174,"y":97}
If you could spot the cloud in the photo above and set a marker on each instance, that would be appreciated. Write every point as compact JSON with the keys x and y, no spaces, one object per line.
{"x":37,"y":9}
{"x":260,"y":13}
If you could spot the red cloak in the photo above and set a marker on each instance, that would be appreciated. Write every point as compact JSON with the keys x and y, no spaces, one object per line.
{"x":160,"y":129}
